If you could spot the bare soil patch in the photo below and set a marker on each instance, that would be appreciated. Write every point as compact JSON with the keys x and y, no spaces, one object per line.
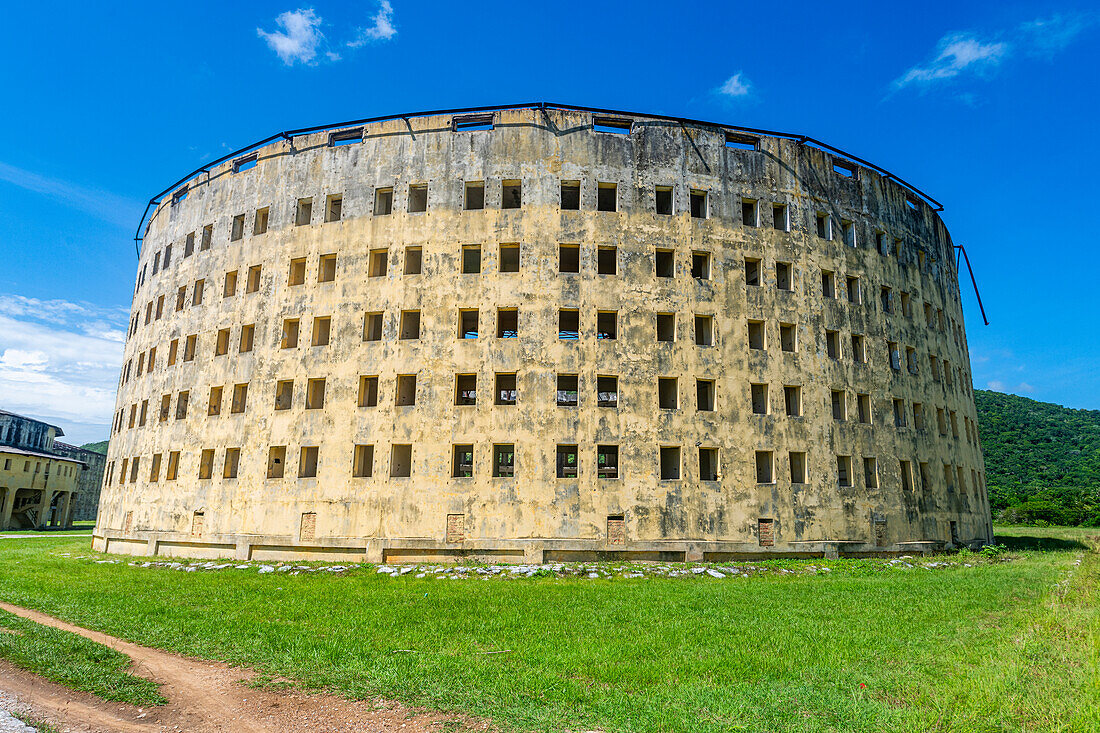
{"x":207,"y":697}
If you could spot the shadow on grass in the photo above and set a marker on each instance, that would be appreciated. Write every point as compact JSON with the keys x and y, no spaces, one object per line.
{"x":1046,"y":544}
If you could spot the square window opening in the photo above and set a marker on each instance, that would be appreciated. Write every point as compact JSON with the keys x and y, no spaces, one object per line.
{"x":571,"y":195}
{"x":670,"y":463}
{"x":383,"y":201}
{"x":607,"y":196}
{"x":474,"y":198}
{"x":414,"y":260}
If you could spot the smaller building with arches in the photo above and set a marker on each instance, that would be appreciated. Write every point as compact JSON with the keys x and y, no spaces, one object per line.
{"x":38,"y":487}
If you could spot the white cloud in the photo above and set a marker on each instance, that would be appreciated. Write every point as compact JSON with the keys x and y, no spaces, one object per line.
{"x":1025,"y":387}
{"x":966,"y":52}
{"x":103,"y":205}
{"x":60,"y":362}
{"x":299,"y":38}
{"x":381,"y":28}
{"x":957,"y":52}
{"x":736,"y":86}
{"x":1047,"y":36}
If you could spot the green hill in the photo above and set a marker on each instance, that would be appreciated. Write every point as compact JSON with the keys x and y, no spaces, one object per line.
{"x":1042,"y":460}
{"x":100,"y":447}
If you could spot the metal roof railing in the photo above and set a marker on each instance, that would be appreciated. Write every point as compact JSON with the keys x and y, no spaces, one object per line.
{"x":289,"y":135}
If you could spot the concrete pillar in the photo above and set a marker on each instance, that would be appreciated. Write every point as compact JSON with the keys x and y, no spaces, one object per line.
{"x":7,"y":503}
{"x":43,"y":507}
{"x":70,"y":505}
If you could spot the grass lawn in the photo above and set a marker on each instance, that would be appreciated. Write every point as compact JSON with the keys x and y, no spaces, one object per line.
{"x":73,"y":661}
{"x":997,"y":646}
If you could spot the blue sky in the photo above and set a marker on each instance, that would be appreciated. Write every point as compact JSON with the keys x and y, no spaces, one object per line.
{"x":990,"y":107}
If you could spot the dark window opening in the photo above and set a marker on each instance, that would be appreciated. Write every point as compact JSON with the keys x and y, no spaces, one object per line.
{"x":507,"y":323}
{"x":410,"y":325}
{"x":752,"y":272}
{"x":383,"y":201}
{"x":569,"y":258}
{"x":467,"y":323}
{"x":569,"y":324}
{"x":474,"y":199}
{"x":748,"y":213}
{"x":667,"y":397}
{"x":607,"y":325}
{"x":698,"y":204}
{"x":509,"y":258}
{"x":372,"y":327}
{"x":406,"y":390}
{"x":666,"y":327}
{"x":368,"y":391}
{"x":664,"y":200}
{"x":670,"y":462}
{"x":758,"y":396}
{"x":463,"y":462}
{"x":465,"y":389}
{"x":414,"y":260}
{"x":511,"y":195}
{"x":567,"y":391}
{"x":665,"y":262}
{"x":764,"y":465}
{"x":704,"y":331}
{"x":504,"y":460}
{"x":607,"y":391}
{"x":567,"y":461}
{"x":708,"y":464}
{"x":571,"y":195}
{"x":418,"y":198}
{"x":607,"y":461}
{"x":606,"y":260}
{"x":471,"y":259}
{"x":704,"y":395}
{"x":505,"y":389}
{"x":607,"y":197}
{"x":700,"y":265}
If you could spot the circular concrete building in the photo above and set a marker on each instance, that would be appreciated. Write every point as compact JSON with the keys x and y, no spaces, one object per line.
{"x":543,"y":333}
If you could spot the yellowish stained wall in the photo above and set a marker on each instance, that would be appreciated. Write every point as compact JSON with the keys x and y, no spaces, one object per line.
{"x":32,"y":482}
{"x":536,"y":515}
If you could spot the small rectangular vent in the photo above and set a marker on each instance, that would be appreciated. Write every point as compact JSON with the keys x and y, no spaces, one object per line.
{"x":180,"y":194}
{"x":309,"y":527}
{"x":345,"y":137}
{"x":616,"y":529}
{"x":245,"y":162}
{"x":739,"y":141}
{"x":846,"y":169}
{"x":616,"y":125}
{"x":197,"y":521}
{"x":472,"y":123}
{"x":456,"y":528}
{"x":765,"y":532}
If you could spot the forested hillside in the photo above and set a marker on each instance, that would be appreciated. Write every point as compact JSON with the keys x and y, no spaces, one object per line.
{"x":1042,"y":460}
{"x":100,"y":447}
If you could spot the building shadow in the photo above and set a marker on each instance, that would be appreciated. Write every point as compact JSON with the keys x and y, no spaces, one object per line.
{"x":1047,"y":544}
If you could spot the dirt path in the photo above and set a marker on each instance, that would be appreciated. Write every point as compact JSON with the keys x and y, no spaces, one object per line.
{"x":205,"y":697}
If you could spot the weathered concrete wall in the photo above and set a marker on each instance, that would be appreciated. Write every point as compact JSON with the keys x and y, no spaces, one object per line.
{"x":89,"y":481}
{"x":536,"y":514}
{"x":27,"y":433}
{"x":36,"y":489}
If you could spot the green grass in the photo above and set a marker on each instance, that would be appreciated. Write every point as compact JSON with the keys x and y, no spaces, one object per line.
{"x":73,"y":661}
{"x":998,"y":646}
